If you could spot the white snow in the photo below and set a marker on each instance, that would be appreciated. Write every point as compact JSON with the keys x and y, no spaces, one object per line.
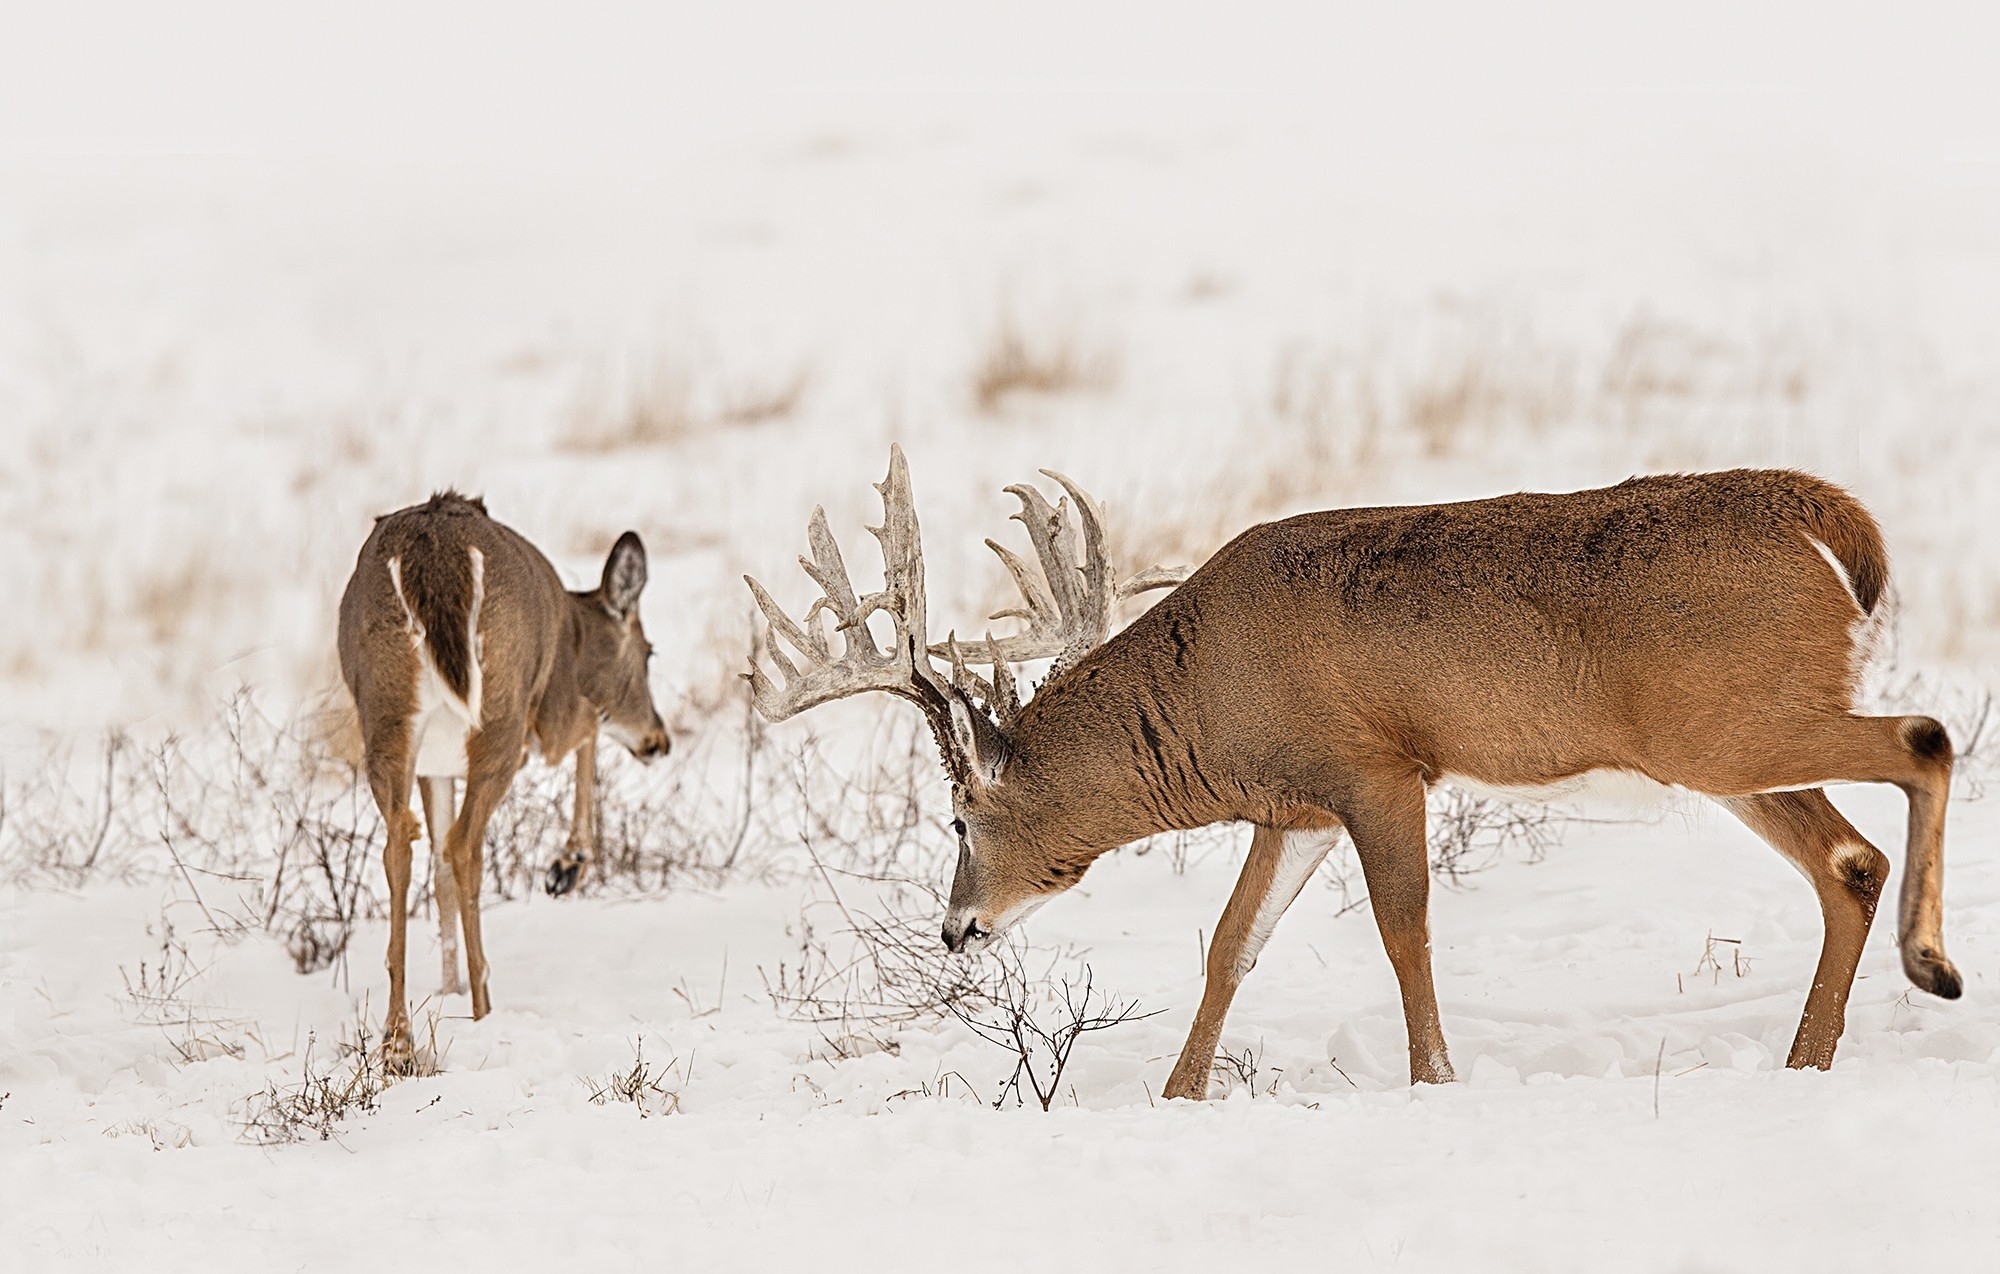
{"x":691,"y":273}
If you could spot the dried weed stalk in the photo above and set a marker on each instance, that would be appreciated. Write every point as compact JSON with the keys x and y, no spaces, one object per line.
{"x":328,"y":1094}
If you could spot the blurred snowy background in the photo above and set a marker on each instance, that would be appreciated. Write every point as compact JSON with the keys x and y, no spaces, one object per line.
{"x":265,"y":274}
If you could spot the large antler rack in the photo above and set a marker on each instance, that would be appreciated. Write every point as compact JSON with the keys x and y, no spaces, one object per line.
{"x":1067,"y":607}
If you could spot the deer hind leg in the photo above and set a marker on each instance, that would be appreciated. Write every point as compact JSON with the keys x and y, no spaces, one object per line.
{"x":388,"y":766}
{"x":1847,"y":873}
{"x":1277,"y":869}
{"x":1915,"y":754}
{"x":438,"y":797}
{"x":1385,"y":816}
{"x":573,"y":864}
{"x":492,"y":755}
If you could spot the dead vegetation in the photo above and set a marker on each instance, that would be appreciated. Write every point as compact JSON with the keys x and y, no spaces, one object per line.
{"x":331,"y":1090}
{"x":662,"y":402}
{"x":642,"y":1085}
{"x":1013,"y":364}
{"x":166,"y":992}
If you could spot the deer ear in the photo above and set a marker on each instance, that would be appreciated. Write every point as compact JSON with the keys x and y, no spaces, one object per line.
{"x":624,"y":576}
{"x":978,"y":739}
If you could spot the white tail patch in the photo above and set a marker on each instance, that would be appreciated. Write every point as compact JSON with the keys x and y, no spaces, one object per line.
{"x":411,"y":624}
{"x":1839,"y":571}
{"x":475,"y":678}
{"x":1867,"y":631}
{"x":443,"y":721}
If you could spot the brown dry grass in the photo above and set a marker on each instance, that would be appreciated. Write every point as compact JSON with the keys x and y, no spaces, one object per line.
{"x":664,"y":403}
{"x":167,"y":600}
{"x":1014,"y":364}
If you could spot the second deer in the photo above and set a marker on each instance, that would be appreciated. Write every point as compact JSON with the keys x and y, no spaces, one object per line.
{"x":461,"y":648}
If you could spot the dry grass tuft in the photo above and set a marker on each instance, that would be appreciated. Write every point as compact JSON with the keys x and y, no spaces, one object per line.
{"x":1014,"y":365}
{"x":654,"y":407}
{"x":664,"y":403}
{"x":641,"y":1086}
{"x":327,"y":1094}
{"x":167,"y":600}
{"x":760,"y":402}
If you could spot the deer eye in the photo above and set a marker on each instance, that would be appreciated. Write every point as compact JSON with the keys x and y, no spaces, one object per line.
{"x":958,"y":828}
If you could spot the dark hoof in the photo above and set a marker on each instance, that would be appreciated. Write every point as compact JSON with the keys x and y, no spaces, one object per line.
{"x":562,"y":876}
{"x":1931,"y":972}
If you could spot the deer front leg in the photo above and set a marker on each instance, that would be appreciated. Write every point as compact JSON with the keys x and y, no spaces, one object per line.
{"x":573,"y":864}
{"x":438,"y":799}
{"x":1276,"y":870}
{"x":1384,"y":813}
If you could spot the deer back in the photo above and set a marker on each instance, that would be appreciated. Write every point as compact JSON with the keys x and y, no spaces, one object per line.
{"x":448,"y":610}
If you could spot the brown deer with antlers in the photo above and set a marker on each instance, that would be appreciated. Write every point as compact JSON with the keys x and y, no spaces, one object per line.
{"x":461,"y":647}
{"x":1700,"y":631}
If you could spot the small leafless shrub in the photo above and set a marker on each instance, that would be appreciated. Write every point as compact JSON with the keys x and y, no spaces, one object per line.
{"x":1469,"y":833}
{"x":163,"y":992}
{"x":861,"y":972}
{"x":329,"y":1092}
{"x":641,"y":1086}
{"x":1039,"y":1024}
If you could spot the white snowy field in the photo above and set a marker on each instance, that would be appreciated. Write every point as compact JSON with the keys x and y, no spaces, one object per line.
{"x":1622,"y":1102}
{"x":692,"y":273}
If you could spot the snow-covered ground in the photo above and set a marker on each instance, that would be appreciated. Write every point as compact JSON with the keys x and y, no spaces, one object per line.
{"x":692,"y":274}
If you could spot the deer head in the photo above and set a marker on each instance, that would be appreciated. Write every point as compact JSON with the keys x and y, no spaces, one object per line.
{"x":1067,"y":610}
{"x":612,"y":652}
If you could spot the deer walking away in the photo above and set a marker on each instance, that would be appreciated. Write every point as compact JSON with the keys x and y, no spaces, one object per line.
{"x":1319,"y":674}
{"x":462,"y":648}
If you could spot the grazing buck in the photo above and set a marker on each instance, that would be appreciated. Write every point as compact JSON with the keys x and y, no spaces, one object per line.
{"x":1701,"y":631}
{"x":460,"y":646}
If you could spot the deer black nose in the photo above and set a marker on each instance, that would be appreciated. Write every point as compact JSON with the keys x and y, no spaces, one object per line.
{"x":961,"y":930}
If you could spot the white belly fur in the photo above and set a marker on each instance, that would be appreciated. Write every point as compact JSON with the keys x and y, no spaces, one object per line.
{"x":1619,"y":789}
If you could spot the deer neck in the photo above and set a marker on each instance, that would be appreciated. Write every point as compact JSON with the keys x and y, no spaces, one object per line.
{"x":1111,"y":757}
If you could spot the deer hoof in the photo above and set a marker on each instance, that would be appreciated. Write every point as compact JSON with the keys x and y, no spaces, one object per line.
{"x":563,"y":874}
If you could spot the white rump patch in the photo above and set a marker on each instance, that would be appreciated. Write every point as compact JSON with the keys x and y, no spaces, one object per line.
{"x":443,"y":721}
{"x":1298,"y":859}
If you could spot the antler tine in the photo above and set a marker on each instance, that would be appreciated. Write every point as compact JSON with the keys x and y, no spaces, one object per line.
{"x":1097,"y":590}
{"x":1067,"y":605}
{"x":861,"y":665}
{"x":1000,"y":697}
{"x":1007,"y":701}
{"x":1154,"y":577}
{"x":1055,"y":544}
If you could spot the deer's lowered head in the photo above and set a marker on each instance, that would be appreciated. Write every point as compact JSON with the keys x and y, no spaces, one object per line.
{"x":612,"y":652}
{"x":1016,"y":772}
